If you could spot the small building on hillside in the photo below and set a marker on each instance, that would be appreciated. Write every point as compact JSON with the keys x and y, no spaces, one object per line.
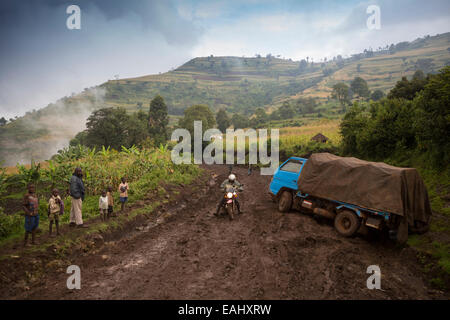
{"x":319,"y":138}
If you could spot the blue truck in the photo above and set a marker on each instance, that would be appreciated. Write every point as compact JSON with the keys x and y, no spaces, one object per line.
{"x":356,"y":194}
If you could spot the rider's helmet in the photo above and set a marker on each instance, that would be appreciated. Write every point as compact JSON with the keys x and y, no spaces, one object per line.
{"x":231,"y":177}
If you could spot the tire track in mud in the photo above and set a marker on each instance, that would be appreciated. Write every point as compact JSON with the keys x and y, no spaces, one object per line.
{"x":262,"y":254}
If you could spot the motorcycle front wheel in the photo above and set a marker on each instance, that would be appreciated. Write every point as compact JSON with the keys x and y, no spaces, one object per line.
{"x":230,"y":212}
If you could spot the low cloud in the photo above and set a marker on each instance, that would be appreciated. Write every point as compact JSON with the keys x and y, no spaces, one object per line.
{"x":41,"y":60}
{"x":60,"y":121}
{"x":321,"y":29}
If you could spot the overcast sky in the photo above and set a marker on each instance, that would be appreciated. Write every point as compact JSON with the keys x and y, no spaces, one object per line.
{"x":42,"y":60}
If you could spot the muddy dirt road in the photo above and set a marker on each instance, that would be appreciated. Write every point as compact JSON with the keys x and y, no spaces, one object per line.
{"x":262,"y":254}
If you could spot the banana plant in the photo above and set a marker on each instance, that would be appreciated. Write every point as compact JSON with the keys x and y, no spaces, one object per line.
{"x":105,"y":151}
{"x":131,"y":150}
{"x":31,"y":175}
{"x":162,"y":148}
{"x":126,"y":150}
{"x":91,"y":153}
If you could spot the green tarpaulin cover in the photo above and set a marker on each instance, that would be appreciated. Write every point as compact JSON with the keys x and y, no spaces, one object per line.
{"x":372,"y":185}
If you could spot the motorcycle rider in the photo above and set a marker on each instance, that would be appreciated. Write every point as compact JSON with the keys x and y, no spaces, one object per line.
{"x":227,"y":183}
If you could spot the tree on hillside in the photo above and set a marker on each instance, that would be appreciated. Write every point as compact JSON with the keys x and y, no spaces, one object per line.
{"x":239,"y":121}
{"x":112,"y":127}
{"x":368,"y":53}
{"x":107,"y":127}
{"x":360,"y":87}
{"x":286,"y":111}
{"x":433,"y":120}
{"x":302,"y":66}
{"x":222,"y":119}
{"x":419,"y":75}
{"x":351,"y":127}
{"x":137,"y":128}
{"x":198,"y":112}
{"x":260,"y":118}
{"x":158,"y":120}
{"x":341,"y":92}
{"x":377,"y":95}
{"x":305,"y":105}
{"x":392,"y":49}
{"x":379,"y":133}
{"x":405,"y":89}
{"x":79,"y":139}
{"x":3,"y":121}
{"x":275,"y":115}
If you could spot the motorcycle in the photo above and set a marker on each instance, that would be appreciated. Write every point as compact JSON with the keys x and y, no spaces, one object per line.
{"x":230,"y":203}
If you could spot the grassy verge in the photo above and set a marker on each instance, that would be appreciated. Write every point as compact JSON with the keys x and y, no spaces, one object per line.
{"x":149,"y":184}
{"x":434,"y":246}
{"x":147,"y":173}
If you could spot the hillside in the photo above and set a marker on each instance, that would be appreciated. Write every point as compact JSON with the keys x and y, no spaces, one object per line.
{"x":238,"y":84}
{"x":243,"y":84}
{"x":386,"y":67}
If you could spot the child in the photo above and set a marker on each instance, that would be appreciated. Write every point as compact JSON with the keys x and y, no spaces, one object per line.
{"x":110,"y":202}
{"x":55,"y":209}
{"x":103,"y":205}
{"x":31,"y":208}
{"x":123,"y":189}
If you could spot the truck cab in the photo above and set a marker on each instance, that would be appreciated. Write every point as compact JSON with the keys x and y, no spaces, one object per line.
{"x":286,"y":176}
{"x":284,"y":183}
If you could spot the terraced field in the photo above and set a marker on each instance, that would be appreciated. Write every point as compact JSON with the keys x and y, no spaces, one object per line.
{"x":237,"y":84}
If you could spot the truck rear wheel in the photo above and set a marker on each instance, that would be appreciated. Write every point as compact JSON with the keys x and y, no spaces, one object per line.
{"x":285,"y":202}
{"x":347,"y":223}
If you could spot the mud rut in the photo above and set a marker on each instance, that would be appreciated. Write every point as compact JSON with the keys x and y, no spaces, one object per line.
{"x":262,"y":254}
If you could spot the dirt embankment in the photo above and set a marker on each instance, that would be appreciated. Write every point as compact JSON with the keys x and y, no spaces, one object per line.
{"x":262,"y":254}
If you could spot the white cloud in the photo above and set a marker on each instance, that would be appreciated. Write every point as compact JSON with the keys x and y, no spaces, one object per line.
{"x":41,"y":62}
{"x":315,"y":34}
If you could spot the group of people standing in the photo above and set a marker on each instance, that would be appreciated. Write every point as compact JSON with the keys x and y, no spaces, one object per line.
{"x":56,"y":205}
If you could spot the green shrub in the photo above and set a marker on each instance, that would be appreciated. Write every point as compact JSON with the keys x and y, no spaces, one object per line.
{"x":10,"y":224}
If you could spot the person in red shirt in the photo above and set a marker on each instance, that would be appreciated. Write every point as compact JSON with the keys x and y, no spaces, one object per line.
{"x":123,"y":190}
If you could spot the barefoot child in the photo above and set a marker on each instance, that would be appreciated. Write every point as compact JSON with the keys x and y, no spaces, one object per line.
{"x":110,"y":202}
{"x":103,"y":205}
{"x":55,"y":209}
{"x":31,"y":208}
{"x":123,"y":189}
